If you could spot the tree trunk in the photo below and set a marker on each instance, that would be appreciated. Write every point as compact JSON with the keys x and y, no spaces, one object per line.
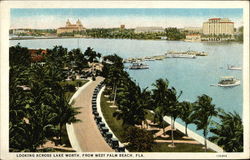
{"x":186,"y":129}
{"x":172,"y":132}
{"x":174,"y":123}
{"x":163,"y":128}
{"x":113,"y":89}
{"x":60,"y":134}
{"x":115,"y":95}
{"x":146,"y":123}
{"x":205,"y":140}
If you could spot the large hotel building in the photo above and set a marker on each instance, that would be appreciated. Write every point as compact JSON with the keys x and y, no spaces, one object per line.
{"x":71,"y":27}
{"x":217,"y":26}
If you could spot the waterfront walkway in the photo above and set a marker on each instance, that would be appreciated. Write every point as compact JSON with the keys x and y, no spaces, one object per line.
{"x":86,"y":132}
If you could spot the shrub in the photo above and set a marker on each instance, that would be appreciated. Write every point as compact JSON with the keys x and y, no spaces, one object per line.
{"x":139,"y":140}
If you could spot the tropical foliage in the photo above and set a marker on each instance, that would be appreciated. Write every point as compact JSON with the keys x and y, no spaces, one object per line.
{"x":139,"y":140}
{"x":174,"y":34}
{"x":166,"y":100}
{"x":121,"y":33}
{"x":204,"y":110}
{"x":186,"y":113}
{"x":229,"y":132}
{"x":126,"y":94}
{"x":38,"y":106}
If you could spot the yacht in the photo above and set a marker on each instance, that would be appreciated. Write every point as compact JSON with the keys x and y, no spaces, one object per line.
{"x":137,"y":65}
{"x":231,"y":67}
{"x":228,"y":81}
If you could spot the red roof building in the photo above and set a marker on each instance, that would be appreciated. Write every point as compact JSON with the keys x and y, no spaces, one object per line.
{"x":37,"y":55}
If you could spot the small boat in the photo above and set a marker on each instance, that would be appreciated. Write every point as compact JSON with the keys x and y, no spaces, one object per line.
{"x":138,"y":65}
{"x":231,"y":67}
{"x":228,"y":81}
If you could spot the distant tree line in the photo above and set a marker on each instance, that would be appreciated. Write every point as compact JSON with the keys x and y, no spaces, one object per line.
{"x":115,"y":33}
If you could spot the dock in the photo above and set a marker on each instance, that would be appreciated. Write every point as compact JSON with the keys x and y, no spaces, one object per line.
{"x":169,"y":54}
{"x":195,"y":53}
{"x":147,"y":58}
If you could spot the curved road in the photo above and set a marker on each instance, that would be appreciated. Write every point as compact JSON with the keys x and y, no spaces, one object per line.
{"x":87,"y":134}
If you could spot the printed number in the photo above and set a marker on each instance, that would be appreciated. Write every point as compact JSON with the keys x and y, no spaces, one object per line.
{"x":221,"y":155}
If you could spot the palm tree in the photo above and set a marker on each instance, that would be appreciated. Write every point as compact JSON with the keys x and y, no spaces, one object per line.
{"x":57,"y":56}
{"x":19,"y":56}
{"x":91,"y":55}
{"x":77,"y":60}
{"x":204,"y":110}
{"x":167,"y":99}
{"x":160,"y":99}
{"x":35,"y":113}
{"x":146,"y":101}
{"x":229,"y":132}
{"x":64,"y":113}
{"x":186,"y":113}
{"x":174,"y":106}
{"x":160,"y":91}
{"x":174,"y":109}
{"x":158,"y":117}
{"x":131,"y":110}
{"x":25,"y":137}
{"x":116,"y":75}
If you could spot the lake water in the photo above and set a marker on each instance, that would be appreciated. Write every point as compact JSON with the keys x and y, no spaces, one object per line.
{"x":192,"y":76}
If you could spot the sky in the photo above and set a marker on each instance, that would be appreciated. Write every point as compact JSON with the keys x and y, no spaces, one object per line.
{"x":113,"y":17}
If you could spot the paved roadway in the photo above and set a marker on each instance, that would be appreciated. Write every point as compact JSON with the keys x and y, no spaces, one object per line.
{"x":87,"y":134}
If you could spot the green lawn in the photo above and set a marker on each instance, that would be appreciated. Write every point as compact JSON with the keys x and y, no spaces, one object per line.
{"x":114,"y":124}
{"x":119,"y":131}
{"x":74,"y":82}
{"x":163,"y":147}
{"x":68,"y":95}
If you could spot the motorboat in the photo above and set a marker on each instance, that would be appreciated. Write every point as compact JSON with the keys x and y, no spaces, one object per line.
{"x":138,"y":65}
{"x":231,"y":67}
{"x":228,"y":81}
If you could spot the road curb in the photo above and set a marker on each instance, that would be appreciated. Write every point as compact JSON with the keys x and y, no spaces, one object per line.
{"x":69,"y":127}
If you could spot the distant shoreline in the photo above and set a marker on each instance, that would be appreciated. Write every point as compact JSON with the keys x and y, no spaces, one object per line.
{"x":28,"y":38}
{"x":36,"y":38}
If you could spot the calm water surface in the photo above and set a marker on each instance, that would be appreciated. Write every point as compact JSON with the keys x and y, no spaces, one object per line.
{"x":192,"y":76}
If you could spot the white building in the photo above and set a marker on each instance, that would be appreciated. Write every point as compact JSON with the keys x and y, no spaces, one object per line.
{"x":20,"y":31}
{"x":193,"y":38}
{"x":217,"y":26}
{"x":149,"y":29}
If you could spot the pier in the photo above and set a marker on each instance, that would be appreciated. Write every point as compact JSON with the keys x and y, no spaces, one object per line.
{"x":169,"y":54}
